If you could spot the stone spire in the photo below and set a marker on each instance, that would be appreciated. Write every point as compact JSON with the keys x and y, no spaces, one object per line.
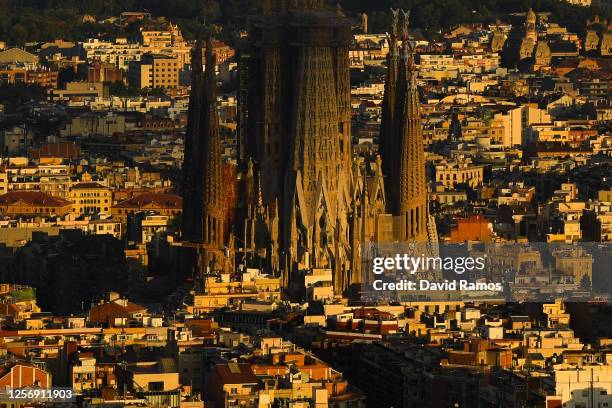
{"x":299,"y":117}
{"x":315,"y":152}
{"x":405,"y":22}
{"x":203,"y":215}
{"x":211,"y":155}
{"x":191,"y":186}
{"x":531,"y":21}
{"x":409,"y":191}
{"x":361,"y":231}
{"x":389,"y":99}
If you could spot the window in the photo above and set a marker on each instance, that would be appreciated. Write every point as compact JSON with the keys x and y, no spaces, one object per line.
{"x":156,"y":386}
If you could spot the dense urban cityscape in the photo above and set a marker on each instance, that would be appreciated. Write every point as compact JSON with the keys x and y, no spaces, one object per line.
{"x":265,"y":203}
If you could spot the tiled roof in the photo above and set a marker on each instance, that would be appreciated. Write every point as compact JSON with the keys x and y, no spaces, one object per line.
{"x":8,"y":366}
{"x":89,"y":184}
{"x":7,"y":309}
{"x":372,"y":313}
{"x":34,"y":198}
{"x":60,"y":149}
{"x":158,"y":199}
{"x":236,"y":373}
{"x":117,"y":308}
{"x":12,"y":55}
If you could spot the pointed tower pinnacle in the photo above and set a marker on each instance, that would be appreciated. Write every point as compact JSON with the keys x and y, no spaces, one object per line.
{"x":212,"y":191}
{"x":409,"y":192}
{"x":394,"y":24}
{"x":405,"y":22}
{"x":192,"y":181}
{"x":364,"y":232}
{"x":385,"y":140}
{"x":203,"y":212}
{"x":408,"y":56}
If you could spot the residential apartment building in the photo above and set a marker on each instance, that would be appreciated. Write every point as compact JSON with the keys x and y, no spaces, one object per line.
{"x":14,"y":140}
{"x":21,"y":75}
{"x":450,"y":174}
{"x":19,"y":175}
{"x":163,"y":204}
{"x":121,"y":53}
{"x":221,"y":292}
{"x":118,"y":53}
{"x":516,"y":123}
{"x":104,"y":72}
{"x":155,"y":71}
{"x":90,"y":198}
{"x":33,"y":203}
{"x":586,"y":386}
{"x":162,"y":36}
{"x":80,"y":90}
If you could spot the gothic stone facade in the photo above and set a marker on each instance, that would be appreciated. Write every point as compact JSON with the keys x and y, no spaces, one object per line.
{"x":310,"y":204}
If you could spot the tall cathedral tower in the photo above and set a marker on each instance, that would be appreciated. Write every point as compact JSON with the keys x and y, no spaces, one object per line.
{"x":316,"y":205}
{"x":299,"y":128}
{"x":192,"y":161}
{"x":212,"y":179}
{"x":409,"y":192}
{"x":401,"y":139}
{"x":203,"y":216}
{"x":385,"y":140}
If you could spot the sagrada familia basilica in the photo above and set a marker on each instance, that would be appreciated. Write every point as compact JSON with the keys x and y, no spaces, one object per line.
{"x":306,"y":201}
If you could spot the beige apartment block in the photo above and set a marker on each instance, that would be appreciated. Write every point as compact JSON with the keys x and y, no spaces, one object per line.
{"x":90,"y":198}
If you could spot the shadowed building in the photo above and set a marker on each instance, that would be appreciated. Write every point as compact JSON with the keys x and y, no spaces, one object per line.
{"x":389,"y":102}
{"x":71,"y":269}
{"x":309,"y":202}
{"x":523,"y":49}
{"x":299,"y":131}
{"x":402,"y":146}
{"x":407,"y":176}
{"x":203,"y":210}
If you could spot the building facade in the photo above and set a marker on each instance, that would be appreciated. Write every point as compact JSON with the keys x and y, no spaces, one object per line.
{"x":90,"y":198}
{"x":308,"y":202}
{"x":203,"y":209}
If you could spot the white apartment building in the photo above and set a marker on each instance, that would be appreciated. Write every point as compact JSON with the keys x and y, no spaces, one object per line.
{"x":586,"y":386}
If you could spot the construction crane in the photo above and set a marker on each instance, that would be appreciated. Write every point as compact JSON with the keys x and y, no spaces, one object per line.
{"x":203,"y":250}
